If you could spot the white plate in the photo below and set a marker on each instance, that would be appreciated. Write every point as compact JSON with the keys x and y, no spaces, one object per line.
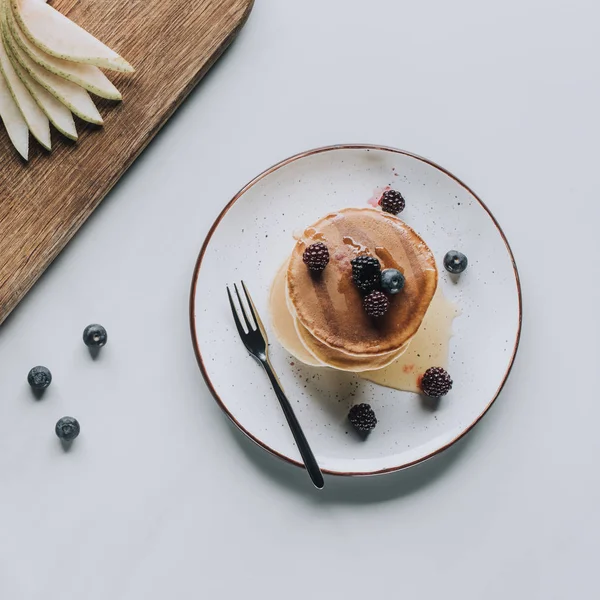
{"x":251,"y":239}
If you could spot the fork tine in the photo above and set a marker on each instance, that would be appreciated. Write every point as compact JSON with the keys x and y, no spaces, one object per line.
{"x":246,"y":319}
{"x":235,"y":315}
{"x":253,"y":311}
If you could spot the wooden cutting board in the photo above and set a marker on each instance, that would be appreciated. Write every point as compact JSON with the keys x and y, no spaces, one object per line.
{"x":172,"y":44}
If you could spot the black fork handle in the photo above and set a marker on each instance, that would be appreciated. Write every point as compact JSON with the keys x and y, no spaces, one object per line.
{"x":307,"y":456}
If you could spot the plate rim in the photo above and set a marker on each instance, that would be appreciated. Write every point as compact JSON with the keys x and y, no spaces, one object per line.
{"x":198,"y":266}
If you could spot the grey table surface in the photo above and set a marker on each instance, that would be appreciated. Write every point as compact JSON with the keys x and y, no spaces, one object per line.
{"x":160,"y":497}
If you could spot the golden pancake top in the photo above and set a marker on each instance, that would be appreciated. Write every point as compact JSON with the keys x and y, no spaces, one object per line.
{"x":329,"y":305}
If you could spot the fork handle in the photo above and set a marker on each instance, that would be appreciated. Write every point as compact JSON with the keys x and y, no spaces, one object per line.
{"x":307,"y":456}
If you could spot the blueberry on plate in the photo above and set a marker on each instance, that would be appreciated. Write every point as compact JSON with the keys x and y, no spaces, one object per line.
{"x":455,"y":262}
{"x":67,"y":429}
{"x":392,"y":281}
{"x":95,"y":336}
{"x":39,"y":378}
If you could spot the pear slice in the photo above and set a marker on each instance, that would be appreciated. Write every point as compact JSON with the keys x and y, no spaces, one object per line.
{"x":13,"y":120}
{"x":36,"y":120}
{"x":58,"y":114}
{"x":87,"y":76}
{"x":75,"y":98}
{"x":57,"y":35}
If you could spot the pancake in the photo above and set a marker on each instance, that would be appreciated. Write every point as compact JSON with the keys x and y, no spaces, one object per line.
{"x":284,"y":323}
{"x":342,"y":360}
{"x":329,"y":305}
{"x":300,"y":344}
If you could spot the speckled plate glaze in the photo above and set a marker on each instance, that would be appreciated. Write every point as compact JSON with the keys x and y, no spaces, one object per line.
{"x":251,"y":239}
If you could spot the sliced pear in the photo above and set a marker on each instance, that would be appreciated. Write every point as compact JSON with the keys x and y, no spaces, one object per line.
{"x":13,"y":120}
{"x":58,"y":114}
{"x":36,"y":120}
{"x":75,"y":98}
{"x":87,"y":76}
{"x":57,"y":35}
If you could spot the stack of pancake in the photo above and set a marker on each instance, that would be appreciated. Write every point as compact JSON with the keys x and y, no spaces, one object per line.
{"x":330,"y":325}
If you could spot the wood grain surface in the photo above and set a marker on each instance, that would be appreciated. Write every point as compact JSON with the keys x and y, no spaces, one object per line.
{"x":172,"y":44}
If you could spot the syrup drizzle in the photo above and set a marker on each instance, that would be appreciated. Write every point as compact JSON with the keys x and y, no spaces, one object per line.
{"x":428,"y":348}
{"x":387,"y":259}
{"x":359,"y":248}
{"x":309,"y":234}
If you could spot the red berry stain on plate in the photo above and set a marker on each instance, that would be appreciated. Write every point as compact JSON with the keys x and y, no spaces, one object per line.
{"x":376,"y":197}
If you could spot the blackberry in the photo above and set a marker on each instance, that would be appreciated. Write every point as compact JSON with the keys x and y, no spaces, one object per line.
{"x":376,"y":304}
{"x":67,"y":429}
{"x":362,"y":417}
{"x":436,"y":382}
{"x":95,"y":336}
{"x":316,"y":257}
{"x":366,"y":272}
{"x":455,"y":262}
{"x":39,"y":378}
{"x":392,"y":202}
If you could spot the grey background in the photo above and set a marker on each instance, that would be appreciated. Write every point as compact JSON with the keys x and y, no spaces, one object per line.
{"x":160,"y":497}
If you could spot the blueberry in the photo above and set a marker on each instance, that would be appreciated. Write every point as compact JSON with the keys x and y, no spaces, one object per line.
{"x":95,"y":336}
{"x":39,"y":378}
{"x":392,"y":281}
{"x":455,"y":262}
{"x":67,"y":429}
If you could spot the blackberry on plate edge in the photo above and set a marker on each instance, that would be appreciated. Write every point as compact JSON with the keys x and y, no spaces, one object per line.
{"x":392,"y":202}
{"x":436,"y":382}
{"x":362,"y":417}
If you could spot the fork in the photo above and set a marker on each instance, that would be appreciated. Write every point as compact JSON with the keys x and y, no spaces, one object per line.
{"x":257,"y":344}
